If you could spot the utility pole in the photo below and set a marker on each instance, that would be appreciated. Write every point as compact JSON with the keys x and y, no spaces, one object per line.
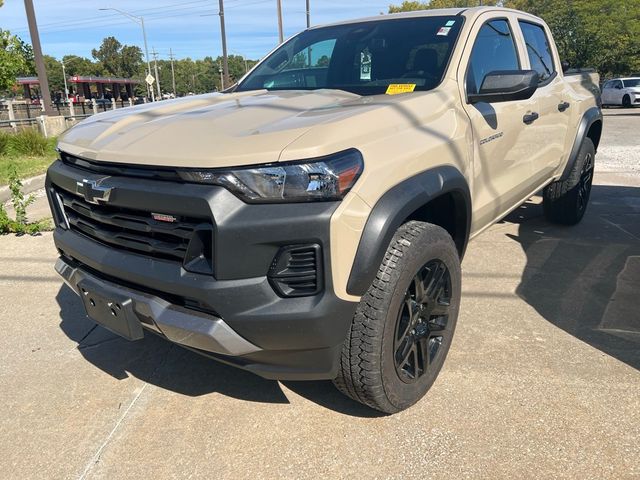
{"x":280,"y":33}
{"x":37,"y":54}
{"x":155,"y":67}
{"x":308,"y":15}
{"x":173,"y":73}
{"x":225,"y":59}
{"x":64,"y":77}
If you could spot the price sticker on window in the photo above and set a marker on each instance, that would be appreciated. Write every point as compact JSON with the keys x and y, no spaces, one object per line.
{"x":397,"y":88}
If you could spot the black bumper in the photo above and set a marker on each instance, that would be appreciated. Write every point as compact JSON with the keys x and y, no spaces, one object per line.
{"x":294,"y":338}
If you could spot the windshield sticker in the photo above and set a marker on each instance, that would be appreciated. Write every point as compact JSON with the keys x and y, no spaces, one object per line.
{"x":365,"y":65}
{"x":444,"y":31}
{"x":450,"y":23}
{"x":397,"y":88}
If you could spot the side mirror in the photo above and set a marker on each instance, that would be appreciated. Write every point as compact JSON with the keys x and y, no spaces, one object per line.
{"x":506,"y":86}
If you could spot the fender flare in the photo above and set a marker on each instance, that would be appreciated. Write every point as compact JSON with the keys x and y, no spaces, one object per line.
{"x":590,"y":117}
{"x":394,"y":207}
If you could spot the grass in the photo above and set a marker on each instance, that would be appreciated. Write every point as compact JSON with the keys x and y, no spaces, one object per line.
{"x":28,"y":151}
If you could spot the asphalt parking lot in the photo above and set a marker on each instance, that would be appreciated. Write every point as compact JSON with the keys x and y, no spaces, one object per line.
{"x":542,"y":380}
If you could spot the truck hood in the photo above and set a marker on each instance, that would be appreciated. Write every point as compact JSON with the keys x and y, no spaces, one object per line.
{"x":213,"y":130}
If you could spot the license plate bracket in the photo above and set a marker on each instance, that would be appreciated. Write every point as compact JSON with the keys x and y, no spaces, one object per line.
{"x":110,"y":309}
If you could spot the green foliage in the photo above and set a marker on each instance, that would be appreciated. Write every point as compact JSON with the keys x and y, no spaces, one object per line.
{"x":408,"y":6}
{"x":117,"y":59}
{"x":27,"y":152}
{"x":76,"y":65}
{"x":29,"y":142}
{"x":5,"y":139}
{"x":20,"y":224}
{"x":20,"y":203}
{"x":601,"y":34}
{"x":16,"y":59}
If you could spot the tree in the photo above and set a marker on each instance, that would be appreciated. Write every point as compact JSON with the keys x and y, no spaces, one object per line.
{"x":54,"y":74}
{"x":16,"y":59}
{"x":76,"y":65}
{"x":408,"y":6}
{"x":602,"y":34}
{"x":323,"y":61}
{"x":117,"y":59}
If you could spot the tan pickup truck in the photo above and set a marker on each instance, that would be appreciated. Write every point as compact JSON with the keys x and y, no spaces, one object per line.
{"x":309,"y":223}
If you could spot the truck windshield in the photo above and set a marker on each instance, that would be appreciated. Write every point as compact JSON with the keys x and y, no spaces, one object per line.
{"x":364,"y":58}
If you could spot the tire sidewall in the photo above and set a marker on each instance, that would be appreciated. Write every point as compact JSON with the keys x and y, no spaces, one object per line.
{"x":400,"y":394}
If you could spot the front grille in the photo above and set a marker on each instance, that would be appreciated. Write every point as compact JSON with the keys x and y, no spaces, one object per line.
{"x":130,"y":229}
{"x":297,"y":271}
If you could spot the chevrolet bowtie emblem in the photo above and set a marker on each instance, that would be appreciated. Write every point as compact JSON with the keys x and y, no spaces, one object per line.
{"x":92,"y":191}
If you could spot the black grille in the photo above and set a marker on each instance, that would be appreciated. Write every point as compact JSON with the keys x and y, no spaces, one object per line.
{"x":297,"y":271}
{"x":130,"y":229}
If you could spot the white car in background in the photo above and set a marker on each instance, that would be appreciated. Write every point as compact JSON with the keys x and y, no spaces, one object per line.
{"x":621,"y":91}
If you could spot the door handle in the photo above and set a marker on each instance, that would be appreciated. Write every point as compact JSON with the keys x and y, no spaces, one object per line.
{"x":563,"y":106}
{"x":530,"y":118}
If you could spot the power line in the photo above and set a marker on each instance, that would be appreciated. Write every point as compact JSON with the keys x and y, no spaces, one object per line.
{"x":61,"y":26}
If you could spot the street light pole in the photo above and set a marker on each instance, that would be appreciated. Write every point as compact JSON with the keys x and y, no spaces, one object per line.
{"x":139,"y":21}
{"x":225,"y":59}
{"x":45,"y":94}
{"x":280,"y":32}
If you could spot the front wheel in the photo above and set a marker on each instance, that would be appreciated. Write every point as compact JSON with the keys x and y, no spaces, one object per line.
{"x":626,"y":101}
{"x":403,"y":327}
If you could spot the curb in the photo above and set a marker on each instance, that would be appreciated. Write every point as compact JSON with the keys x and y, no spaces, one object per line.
{"x":29,"y":185}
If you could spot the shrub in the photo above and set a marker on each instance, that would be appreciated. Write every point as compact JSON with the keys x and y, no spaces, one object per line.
{"x":29,"y":142}
{"x":20,"y":225}
{"x":4,"y":143}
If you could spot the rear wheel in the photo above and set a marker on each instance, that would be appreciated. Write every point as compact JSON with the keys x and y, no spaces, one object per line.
{"x":403,"y":327}
{"x":626,"y":101}
{"x":565,"y":201}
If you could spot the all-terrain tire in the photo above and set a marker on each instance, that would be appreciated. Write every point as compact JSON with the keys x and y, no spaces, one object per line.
{"x":368,"y":371}
{"x":565,"y":201}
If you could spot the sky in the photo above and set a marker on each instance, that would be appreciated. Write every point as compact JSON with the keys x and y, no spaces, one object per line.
{"x":191,"y":28}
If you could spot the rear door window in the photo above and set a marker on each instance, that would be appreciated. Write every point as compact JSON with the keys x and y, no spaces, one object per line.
{"x":494,"y":49}
{"x":538,"y":49}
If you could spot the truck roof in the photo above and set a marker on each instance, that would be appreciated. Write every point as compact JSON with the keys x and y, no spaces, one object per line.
{"x":438,"y":12}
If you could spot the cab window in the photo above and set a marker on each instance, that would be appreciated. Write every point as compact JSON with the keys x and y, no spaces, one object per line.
{"x":494,"y":49}
{"x":538,"y":49}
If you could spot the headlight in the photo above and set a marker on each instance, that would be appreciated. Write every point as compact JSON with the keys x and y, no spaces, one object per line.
{"x":327,"y":178}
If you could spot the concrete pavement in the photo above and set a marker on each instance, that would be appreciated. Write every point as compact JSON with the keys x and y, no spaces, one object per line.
{"x":542,"y":380}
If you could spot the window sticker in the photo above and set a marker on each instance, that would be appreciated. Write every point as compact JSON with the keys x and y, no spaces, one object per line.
{"x":450,"y":23}
{"x":365,"y":65}
{"x":444,"y":31}
{"x":397,"y":88}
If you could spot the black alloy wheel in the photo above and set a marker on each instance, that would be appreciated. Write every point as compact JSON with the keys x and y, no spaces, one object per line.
{"x":586,"y":179}
{"x":421,"y":327}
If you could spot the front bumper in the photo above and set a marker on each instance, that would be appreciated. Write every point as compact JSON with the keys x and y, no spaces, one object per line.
{"x":233,"y":313}
{"x":179,"y":325}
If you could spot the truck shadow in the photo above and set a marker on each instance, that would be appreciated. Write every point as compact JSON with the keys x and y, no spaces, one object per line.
{"x":586,"y":279}
{"x":161,"y":363}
